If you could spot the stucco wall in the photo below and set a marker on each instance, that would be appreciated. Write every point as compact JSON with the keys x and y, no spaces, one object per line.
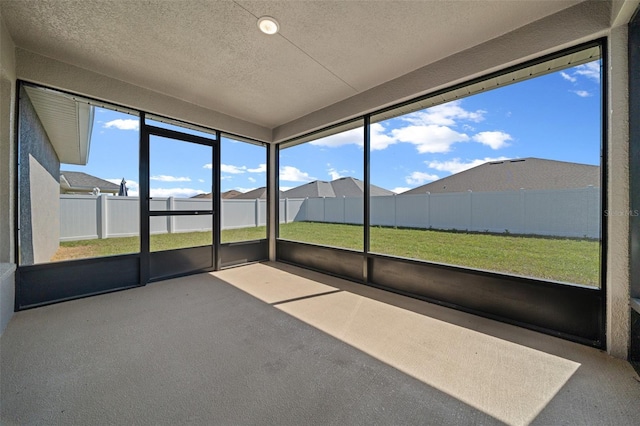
{"x":39,"y":189}
{"x":618,"y":196}
{"x":7,"y":96}
{"x":7,"y":173}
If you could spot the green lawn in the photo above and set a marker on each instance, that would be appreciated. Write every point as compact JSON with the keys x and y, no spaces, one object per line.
{"x":559,"y":259}
{"x":112,"y":246}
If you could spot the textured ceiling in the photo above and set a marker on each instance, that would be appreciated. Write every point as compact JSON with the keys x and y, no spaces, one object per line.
{"x":211,"y":53}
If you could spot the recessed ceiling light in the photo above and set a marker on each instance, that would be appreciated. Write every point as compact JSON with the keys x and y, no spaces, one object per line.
{"x":268,"y":25}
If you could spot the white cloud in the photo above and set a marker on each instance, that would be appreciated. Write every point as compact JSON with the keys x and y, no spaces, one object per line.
{"x":261,"y":169}
{"x":235,"y":170}
{"x":201,"y":180}
{"x":568,"y":77}
{"x":134,"y":190}
{"x":378,"y":139}
{"x":590,"y":70}
{"x":444,"y":115}
{"x":495,"y":140}
{"x":400,"y":189}
{"x":251,"y":179}
{"x":335,"y":174}
{"x":350,"y":137}
{"x":292,"y":174}
{"x":165,"y":178}
{"x":418,"y":178}
{"x":285,"y":188}
{"x":429,"y":139}
{"x":582,"y":93}
{"x":227,"y":168}
{"x":128,"y":124}
{"x":457,"y":166}
{"x":175,"y":192}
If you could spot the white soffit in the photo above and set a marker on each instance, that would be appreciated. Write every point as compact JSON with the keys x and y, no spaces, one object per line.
{"x":212,"y":54}
{"x":68,"y":123}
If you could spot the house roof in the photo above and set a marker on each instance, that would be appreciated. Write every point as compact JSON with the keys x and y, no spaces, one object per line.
{"x":317,"y":188}
{"x":83,"y":182}
{"x":341,"y":187}
{"x":230,"y":194}
{"x":508,"y":175}
{"x":225,"y":195}
{"x":252,"y":195}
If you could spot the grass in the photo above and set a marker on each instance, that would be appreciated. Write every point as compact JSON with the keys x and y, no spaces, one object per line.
{"x":112,"y":246}
{"x":559,"y":259}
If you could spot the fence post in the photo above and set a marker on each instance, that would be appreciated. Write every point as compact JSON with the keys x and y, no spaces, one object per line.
{"x":102,"y":216}
{"x":222,"y":202}
{"x":428,"y":200}
{"x":286,"y":210}
{"x":395,"y":211}
{"x":257,"y":208}
{"x":306,"y":209}
{"x":344,"y":209}
{"x":324,"y":209}
{"x":523,"y":218}
{"x":470,"y":210}
{"x":593,"y":200}
{"x":171,"y":219}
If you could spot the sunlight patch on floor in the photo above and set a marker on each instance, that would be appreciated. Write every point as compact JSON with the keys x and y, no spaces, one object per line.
{"x":510,"y":382}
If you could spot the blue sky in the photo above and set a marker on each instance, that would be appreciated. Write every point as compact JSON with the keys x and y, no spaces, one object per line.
{"x":556,"y":116}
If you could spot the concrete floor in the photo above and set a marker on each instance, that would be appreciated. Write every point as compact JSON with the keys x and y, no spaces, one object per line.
{"x":275,"y":344}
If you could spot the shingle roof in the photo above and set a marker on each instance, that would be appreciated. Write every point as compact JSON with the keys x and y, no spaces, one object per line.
{"x":508,"y":175}
{"x":342,"y":187}
{"x":317,"y":188}
{"x":225,"y":195}
{"x":252,"y":195}
{"x":79,"y":181}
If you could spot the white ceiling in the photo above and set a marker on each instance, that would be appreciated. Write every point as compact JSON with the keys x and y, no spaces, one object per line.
{"x":211,"y":53}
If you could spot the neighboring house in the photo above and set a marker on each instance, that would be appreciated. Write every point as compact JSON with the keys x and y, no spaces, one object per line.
{"x":225,"y":195}
{"x":84,"y":184}
{"x":513,"y":175}
{"x":229,"y":194}
{"x":260,"y":193}
{"x":342,"y":187}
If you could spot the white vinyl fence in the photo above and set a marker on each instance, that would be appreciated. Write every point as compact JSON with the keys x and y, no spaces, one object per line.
{"x":85,"y":217}
{"x":563,"y":213}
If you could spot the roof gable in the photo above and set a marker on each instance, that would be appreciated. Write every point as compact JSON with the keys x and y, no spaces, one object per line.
{"x":516,"y":174}
{"x":79,"y":181}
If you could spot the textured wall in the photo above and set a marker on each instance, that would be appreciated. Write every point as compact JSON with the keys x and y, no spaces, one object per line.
{"x":44,"y":191}
{"x":7,"y":174}
{"x":618,"y":201}
{"x":39,"y":206}
{"x":7,"y":96}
